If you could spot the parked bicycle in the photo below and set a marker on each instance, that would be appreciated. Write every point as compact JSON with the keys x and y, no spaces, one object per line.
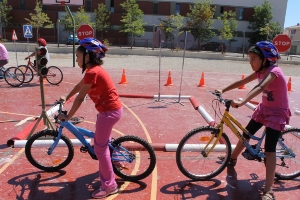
{"x":13,"y":76}
{"x":54,"y":75}
{"x":50,"y":150}
{"x":199,"y":152}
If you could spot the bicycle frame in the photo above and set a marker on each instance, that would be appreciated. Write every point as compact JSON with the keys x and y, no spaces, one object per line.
{"x":232,"y":123}
{"x":79,"y":133}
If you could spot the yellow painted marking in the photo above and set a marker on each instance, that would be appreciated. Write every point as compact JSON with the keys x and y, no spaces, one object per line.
{"x":141,"y":123}
{"x":154,"y":173}
{"x":18,"y":114}
{"x":12,"y":160}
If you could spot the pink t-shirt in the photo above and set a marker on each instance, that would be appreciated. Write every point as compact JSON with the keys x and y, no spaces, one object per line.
{"x":275,"y":95}
{"x":3,"y":52}
{"x":103,"y":91}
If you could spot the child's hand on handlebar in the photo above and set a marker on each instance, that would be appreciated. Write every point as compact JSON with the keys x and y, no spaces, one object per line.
{"x":236,"y":104}
{"x":63,"y":99}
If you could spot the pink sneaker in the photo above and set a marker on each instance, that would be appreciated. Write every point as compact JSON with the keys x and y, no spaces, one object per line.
{"x":101,"y":193}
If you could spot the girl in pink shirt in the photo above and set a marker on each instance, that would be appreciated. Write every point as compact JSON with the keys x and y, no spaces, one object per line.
{"x":100,"y":88}
{"x":273,"y":112}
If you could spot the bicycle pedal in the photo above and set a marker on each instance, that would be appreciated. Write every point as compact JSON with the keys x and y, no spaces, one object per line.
{"x":83,"y":149}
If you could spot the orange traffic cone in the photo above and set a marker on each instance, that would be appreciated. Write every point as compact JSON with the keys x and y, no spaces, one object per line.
{"x":289,"y":85}
{"x":242,"y":86}
{"x":123,"y":79}
{"x":201,"y":83}
{"x":169,"y":80}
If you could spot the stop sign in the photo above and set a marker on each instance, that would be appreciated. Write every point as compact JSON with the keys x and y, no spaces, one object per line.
{"x":282,"y":42}
{"x":85,"y":31}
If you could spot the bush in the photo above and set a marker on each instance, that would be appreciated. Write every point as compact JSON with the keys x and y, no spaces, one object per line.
{"x":106,"y":42}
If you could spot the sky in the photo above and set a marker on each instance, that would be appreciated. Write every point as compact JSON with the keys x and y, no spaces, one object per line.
{"x":292,"y":16}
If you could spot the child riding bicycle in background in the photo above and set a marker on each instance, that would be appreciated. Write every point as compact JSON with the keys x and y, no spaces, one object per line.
{"x":100,"y":88}
{"x":273,"y":112}
{"x":43,"y":43}
{"x":3,"y":57}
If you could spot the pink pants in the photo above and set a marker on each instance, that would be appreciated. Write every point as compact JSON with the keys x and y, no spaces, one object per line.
{"x":104,"y":125}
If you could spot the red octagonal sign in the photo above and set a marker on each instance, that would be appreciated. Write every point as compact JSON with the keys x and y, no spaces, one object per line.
{"x":282,"y":42}
{"x":85,"y":31}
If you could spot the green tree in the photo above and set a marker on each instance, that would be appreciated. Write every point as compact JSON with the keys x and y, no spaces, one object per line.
{"x":199,"y":20}
{"x":38,"y":19}
{"x":230,"y":24}
{"x":132,"y":20}
{"x":170,"y":25}
{"x":262,"y":17}
{"x":270,"y":30}
{"x":102,"y":16}
{"x":4,"y":14}
{"x":81,"y":17}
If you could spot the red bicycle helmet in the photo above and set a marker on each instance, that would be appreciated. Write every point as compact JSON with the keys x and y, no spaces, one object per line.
{"x":42,"y":42}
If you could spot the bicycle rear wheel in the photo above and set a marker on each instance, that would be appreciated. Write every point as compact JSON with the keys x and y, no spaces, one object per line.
{"x":191,"y":159}
{"x":36,"y":150}
{"x":141,"y":153}
{"x":14,"y":76}
{"x":28,"y":73}
{"x":288,"y":167}
{"x":54,"y":75}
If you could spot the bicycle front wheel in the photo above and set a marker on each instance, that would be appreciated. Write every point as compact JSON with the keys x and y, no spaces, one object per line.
{"x":13,"y":76}
{"x":288,"y":167}
{"x":28,"y":73}
{"x":36,"y":150}
{"x":192,"y":160}
{"x":133,"y":158}
{"x":54,"y":75}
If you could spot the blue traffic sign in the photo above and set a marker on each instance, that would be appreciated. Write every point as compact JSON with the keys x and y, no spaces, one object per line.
{"x":27,"y":31}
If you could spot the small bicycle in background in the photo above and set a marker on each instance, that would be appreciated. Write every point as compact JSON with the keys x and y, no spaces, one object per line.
{"x":199,"y":152}
{"x":50,"y":150}
{"x":54,"y":75}
{"x":13,"y":76}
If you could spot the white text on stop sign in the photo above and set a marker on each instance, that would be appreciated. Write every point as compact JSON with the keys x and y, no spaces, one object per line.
{"x":85,"y":33}
{"x":282,"y":43}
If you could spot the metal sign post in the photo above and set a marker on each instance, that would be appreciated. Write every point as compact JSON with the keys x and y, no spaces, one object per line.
{"x":159,"y":38}
{"x":185,"y":41}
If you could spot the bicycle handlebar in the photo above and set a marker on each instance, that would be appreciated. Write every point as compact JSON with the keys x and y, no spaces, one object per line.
{"x":226,"y":102}
{"x":60,"y":111}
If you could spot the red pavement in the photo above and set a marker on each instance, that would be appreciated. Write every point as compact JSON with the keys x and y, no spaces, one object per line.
{"x":157,"y":122}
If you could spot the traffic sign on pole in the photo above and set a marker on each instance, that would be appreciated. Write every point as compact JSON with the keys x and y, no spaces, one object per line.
{"x":282,"y":42}
{"x":27,"y":31}
{"x":14,"y":35}
{"x":85,"y":31}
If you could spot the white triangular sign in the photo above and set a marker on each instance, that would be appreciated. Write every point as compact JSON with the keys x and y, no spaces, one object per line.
{"x":14,"y":35}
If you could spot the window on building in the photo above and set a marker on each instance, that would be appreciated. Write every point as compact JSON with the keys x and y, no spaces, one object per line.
{"x":88,"y":4}
{"x":241,"y":14}
{"x":177,"y":9}
{"x":112,"y":6}
{"x":155,"y":8}
{"x":44,"y":7}
{"x":222,"y":10}
{"x":22,"y":4}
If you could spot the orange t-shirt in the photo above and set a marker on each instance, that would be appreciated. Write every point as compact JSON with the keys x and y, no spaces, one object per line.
{"x":103,"y":91}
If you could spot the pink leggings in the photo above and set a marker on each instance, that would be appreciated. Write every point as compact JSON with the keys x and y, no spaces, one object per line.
{"x":104,"y":125}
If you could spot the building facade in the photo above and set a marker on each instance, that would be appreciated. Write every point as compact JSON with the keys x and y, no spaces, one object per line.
{"x":153,"y":11}
{"x":294,"y":33}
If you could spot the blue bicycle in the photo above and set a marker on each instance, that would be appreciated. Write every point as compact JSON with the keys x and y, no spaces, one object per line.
{"x":50,"y":150}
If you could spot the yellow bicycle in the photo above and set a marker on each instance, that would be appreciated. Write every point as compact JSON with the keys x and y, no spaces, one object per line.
{"x":198,"y":153}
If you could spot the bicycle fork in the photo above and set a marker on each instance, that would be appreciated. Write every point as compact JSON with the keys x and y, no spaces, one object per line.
{"x":213,"y":135}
